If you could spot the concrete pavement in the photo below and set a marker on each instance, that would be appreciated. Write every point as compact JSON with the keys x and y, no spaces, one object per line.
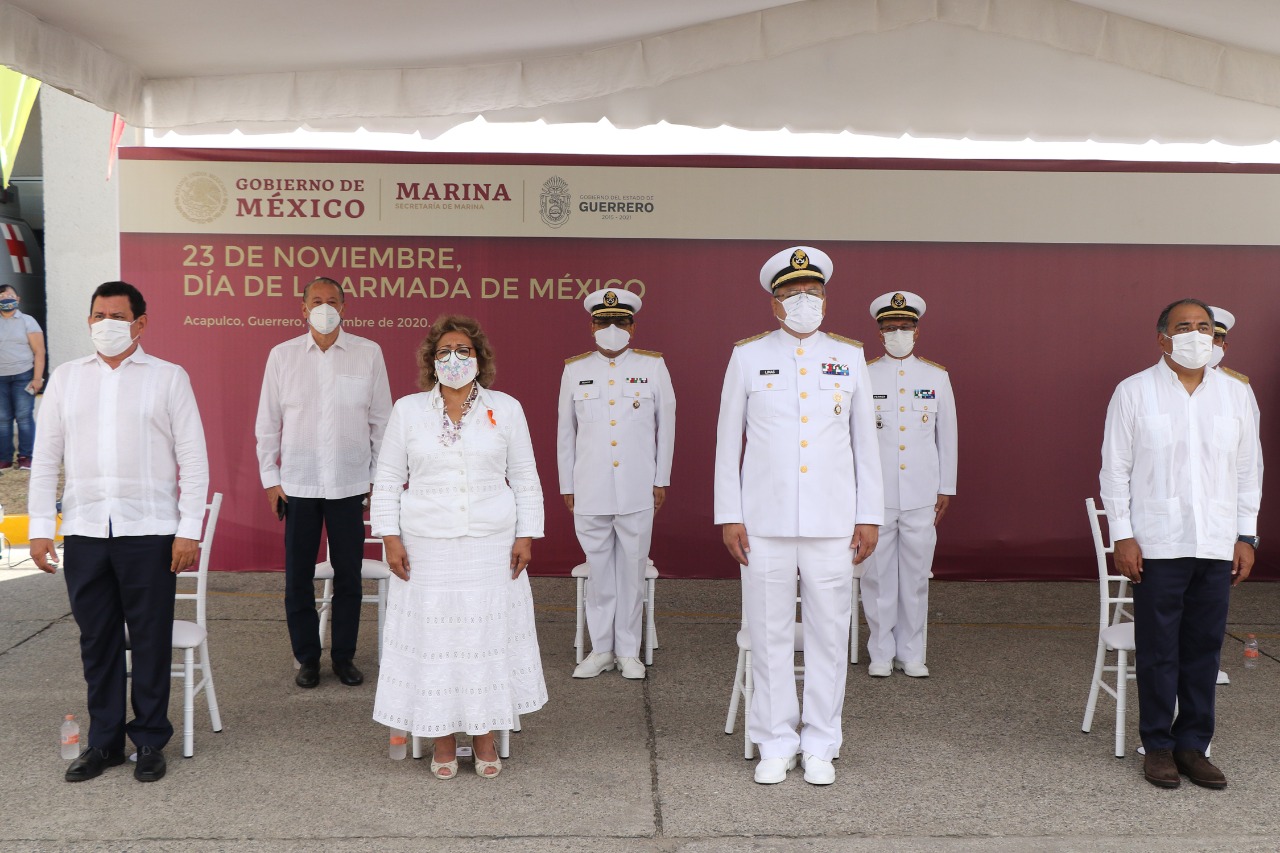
{"x":986,"y":754}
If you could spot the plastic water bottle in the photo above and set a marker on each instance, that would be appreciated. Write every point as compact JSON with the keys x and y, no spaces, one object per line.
{"x":398,"y":748}
{"x":70,"y":738}
{"x":1251,"y":653}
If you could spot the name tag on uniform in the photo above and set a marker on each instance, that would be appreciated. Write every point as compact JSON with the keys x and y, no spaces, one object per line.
{"x":880,"y":396}
{"x":834,"y":369}
{"x":925,"y":394}
{"x":585,"y":381}
{"x":638,"y":380}
{"x":768,"y":373}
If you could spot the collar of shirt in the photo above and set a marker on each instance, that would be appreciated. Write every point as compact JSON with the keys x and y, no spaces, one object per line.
{"x":136,"y":357}
{"x":1172,"y":377}
{"x":435,"y":399}
{"x":618,"y":359}
{"x":340,"y":342}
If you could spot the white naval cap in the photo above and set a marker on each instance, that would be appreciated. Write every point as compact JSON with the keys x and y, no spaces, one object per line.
{"x":612,"y":302}
{"x":897,"y":303}
{"x":1223,"y":320}
{"x":799,"y":263}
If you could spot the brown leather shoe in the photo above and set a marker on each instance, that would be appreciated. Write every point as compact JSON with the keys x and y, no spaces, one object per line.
{"x":1158,"y":769}
{"x":1199,"y":769}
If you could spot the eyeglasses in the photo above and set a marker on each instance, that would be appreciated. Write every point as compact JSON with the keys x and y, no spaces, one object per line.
{"x":808,"y":291}
{"x":612,"y":321}
{"x":902,"y":327}
{"x":463,"y":353}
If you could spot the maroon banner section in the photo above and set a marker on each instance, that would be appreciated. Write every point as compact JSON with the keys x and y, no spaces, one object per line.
{"x":1036,"y":337}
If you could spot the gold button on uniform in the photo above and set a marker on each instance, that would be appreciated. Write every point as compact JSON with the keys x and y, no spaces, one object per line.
{"x":799,"y":350}
{"x":902,"y":428}
{"x":611,"y":364}
{"x":615,"y":444}
{"x":804,"y":371}
{"x":804,"y":469}
{"x":837,"y":384}
{"x":613,"y":423}
{"x":804,"y":444}
{"x":902,"y":408}
{"x":902,"y":390}
{"x":768,"y":385}
{"x":610,"y":402}
{"x":900,"y":446}
{"x":616,"y":464}
{"x":902,"y":373}
{"x":804,"y":395}
{"x":804,"y":419}
{"x":610,"y":381}
{"x":903,"y":466}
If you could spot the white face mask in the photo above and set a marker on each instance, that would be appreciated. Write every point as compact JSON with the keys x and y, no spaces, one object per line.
{"x":324,"y":318}
{"x":1191,"y":350}
{"x":612,"y":338}
{"x":111,"y":337}
{"x":1216,"y":358}
{"x":900,"y":342}
{"x":804,"y":312}
{"x":456,"y":372}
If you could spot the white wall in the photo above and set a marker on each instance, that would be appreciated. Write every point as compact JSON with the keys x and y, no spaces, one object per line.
{"x":82,"y":221}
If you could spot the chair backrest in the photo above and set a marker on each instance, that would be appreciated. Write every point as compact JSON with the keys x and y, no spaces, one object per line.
{"x":1112,"y":605}
{"x":201,"y":572}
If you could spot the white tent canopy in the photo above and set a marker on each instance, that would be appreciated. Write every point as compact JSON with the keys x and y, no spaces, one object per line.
{"x":1116,"y":70}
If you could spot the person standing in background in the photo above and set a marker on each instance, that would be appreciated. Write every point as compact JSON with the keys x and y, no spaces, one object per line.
{"x":21,"y":378}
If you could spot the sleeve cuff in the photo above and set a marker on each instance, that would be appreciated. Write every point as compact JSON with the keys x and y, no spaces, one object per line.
{"x":1247,"y":526}
{"x":41,"y":529}
{"x":1120,"y":529}
{"x":270,"y":479}
{"x":189,"y":529}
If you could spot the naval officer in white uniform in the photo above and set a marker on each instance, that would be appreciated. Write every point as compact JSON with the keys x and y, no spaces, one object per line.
{"x":806,"y":496}
{"x":916,"y":424}
{"x":616,"y":437}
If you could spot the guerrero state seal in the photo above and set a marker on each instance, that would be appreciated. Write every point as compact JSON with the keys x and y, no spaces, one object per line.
{"x":554,"y":204}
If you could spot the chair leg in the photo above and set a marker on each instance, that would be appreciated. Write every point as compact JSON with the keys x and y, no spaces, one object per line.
{"x":748,"y":690}
{"x":326,"y":601}
{"x":853,"y":626}
{"x":731,"y":719}
{"x":1122,"y":684}
{"x":417,"y":746}
{"x":650,"y":628}
{"x":1099,"y":659}
{"x":581,"y":618}
{"x":384,"y":588}
{"x":188,"y":702}
{"x":504,"y":744}
{"x":210,"y":696}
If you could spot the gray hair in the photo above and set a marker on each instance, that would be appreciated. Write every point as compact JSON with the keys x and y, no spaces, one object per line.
{"x":306,"y":292}
{"x":1162,"y":325}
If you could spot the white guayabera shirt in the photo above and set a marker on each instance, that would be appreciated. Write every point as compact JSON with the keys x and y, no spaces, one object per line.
{"x":1180,"y":472}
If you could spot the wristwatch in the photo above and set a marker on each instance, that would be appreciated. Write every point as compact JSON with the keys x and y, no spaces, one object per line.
{"x":1249,"y":540}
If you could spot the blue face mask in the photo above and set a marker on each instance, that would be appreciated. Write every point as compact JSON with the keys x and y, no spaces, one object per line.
{"x":8,"y":305}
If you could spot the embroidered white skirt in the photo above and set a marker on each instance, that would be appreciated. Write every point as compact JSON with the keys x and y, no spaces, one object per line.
{"x":460,"y":651}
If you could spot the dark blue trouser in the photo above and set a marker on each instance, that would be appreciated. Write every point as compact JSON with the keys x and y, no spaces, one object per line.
{"x":1180,"y":617}
{"x":17,"y":405}
{"x":343,"y":520}
{"x":110,"y":583}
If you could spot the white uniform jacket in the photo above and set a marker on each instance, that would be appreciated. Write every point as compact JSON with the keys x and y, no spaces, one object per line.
{"x":811,"y":466}
{"x":616,"y":433}
{"x":916,"y":424}
{"x":1180,"y":471}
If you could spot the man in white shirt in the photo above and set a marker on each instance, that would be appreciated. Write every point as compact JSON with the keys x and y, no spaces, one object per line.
{"x":1179,"y":480}
{"x":805,"y":495}
{"x":324,"y":406}
{"x":616,"y":437}
{"x":126,"y":426}
{"x":916,"y":424}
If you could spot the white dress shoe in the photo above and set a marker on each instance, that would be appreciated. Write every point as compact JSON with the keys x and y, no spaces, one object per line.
{"x":817,"y":771}
{"x":594,"y":664}
{"x":915,"y":668}
{"x":631,"y":668}
{"x":771,"y":771}
{"x":879,"y":670}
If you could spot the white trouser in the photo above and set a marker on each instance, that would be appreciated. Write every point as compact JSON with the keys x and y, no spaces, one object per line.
{"x":895,"y":585}
{"x":617,"y":549}
{"x":769,"y":601}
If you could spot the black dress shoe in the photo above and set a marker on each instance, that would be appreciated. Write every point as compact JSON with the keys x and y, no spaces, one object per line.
{"x":150,"y":766}
{"x":308,"y":675}
{"x":347,"y":673}
{"x":92,"y":762}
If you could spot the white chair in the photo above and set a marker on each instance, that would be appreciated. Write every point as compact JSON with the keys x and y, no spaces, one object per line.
{"x":370,"y":570}
{"x":1115,"y":631}
{"x":581,"y":573}
{"x":192,"y":636}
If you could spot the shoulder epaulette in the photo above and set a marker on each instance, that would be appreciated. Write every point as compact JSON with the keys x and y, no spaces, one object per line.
{"x":752,"y":338}
{"x":576,"y":358}
{"x":874,"y":360}
{"x":842,"y":339}
{"x":648,"y":352}
{"x":1235,"y":374}
{"x":932,"y":363}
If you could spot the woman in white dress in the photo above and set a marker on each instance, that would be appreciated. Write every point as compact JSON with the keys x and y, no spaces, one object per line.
{"x":458,"y":505}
